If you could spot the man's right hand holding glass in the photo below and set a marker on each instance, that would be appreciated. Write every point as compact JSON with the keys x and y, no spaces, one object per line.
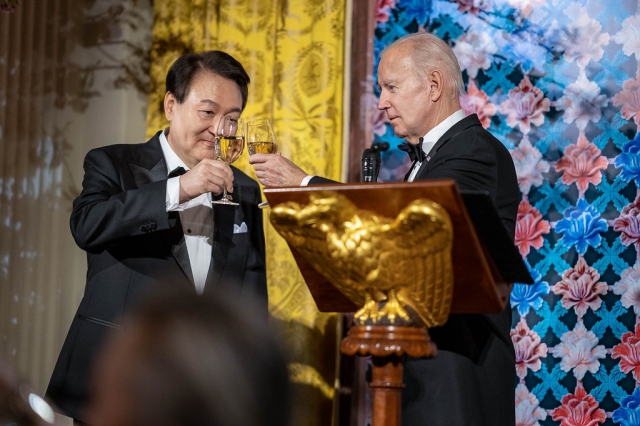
{"x":275,"y":170}
{"x":208,"y":175}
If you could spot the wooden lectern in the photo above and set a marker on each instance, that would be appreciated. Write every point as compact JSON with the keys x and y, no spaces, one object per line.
{"x":484,"y":262}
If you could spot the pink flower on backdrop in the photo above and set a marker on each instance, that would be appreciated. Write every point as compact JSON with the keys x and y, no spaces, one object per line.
{"x":628,"y":223}
{"x":580,"y":288}
{"x":476,"y":101}
{"x":579,"y":351}
{"x":383,"y":8}
{"x":629,"y":288}
{"x":529,"y":228}
{"x":528,"y":348}
{"x":628,"y":351}
{"x":529,"y":165}
{"x":582,"y":164}
{"x":579,"y":409}
{"x":525,"y":106}
{"x":583,"y":40}
{"x":629,"y":99}
{"x":474,"y":51}
{"x":582,"y":102}
{"x":473,"y":6}
{"x":528,"y":410}
{"x":629,"y":36}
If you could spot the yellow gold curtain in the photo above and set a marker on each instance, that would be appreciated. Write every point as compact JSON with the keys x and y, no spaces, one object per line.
{"x":293,"y":52}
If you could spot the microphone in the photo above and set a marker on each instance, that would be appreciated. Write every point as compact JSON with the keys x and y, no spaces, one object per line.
{"x":370,"y":165}
{"x":371,"y":162}
{"x":380,"y":146}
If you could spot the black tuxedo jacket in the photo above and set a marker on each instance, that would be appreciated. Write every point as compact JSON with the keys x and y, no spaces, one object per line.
{"x":472,"y":380}
{"x":135,"y":247}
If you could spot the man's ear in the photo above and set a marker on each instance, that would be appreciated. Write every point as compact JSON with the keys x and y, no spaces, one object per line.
{"x":436,"y":82}
{"x":170,"y":102}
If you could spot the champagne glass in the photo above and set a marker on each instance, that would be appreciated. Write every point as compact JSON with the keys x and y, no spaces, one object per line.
{"x":261,"y":139}
{"x":229,"y":145}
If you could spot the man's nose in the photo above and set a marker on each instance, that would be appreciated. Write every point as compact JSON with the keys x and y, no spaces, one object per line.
{"x":383,"y":103}
{"x":214,"y":125}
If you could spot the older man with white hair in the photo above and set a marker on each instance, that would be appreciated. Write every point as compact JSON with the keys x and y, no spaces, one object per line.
{"x":472,"y":379}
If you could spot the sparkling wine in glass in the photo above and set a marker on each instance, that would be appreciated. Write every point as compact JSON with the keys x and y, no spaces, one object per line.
{"x":229,"y":147}
{"x":261,"y":139}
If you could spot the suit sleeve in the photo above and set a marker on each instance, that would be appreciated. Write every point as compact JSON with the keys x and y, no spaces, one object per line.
{"x":317,"y":180}
{"x":106,"y":211}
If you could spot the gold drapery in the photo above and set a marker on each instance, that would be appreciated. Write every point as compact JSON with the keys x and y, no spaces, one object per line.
{"x":293,"y":52}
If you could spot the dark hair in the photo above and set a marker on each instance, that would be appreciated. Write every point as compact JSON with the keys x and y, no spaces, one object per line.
{"x":185,"y":68}
{"x":206,"y":361}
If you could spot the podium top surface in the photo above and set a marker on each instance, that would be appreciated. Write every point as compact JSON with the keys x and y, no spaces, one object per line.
{"x":479,"y":286}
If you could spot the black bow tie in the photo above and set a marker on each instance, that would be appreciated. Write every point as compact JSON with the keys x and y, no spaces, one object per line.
{"x":178,"y":171}
{"x":415,"y":151}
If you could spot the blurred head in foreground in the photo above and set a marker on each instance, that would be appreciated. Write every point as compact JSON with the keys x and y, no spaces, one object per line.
{"x":191,"y":360}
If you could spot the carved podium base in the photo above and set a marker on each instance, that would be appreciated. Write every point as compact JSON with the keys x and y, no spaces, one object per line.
{"x":387,"y":346}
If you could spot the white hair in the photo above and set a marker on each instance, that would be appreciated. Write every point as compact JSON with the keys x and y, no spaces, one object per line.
{"x":429,"y":52}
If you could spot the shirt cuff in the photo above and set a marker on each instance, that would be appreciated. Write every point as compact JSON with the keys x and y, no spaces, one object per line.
{"x":306,"y":180}
{"x":173,"y":196}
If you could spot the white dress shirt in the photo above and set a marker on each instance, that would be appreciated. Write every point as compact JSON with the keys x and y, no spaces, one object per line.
{"x":196,"y":216}
{"x":432,"y":136}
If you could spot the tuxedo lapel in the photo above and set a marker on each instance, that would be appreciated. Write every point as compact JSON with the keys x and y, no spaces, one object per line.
{"x":460,"y":126}
{"x":152,"y":167}
{"x":179,"y":248}
{"x":222,"y":241}
{"x":406,"y":177}
{"x":422,"y":168}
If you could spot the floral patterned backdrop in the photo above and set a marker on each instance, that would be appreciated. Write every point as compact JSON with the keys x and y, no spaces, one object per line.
{"x":558,"y":82}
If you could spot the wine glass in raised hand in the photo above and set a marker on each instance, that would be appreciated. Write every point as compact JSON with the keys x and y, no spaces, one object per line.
{"x":261,"y":139}
{"x":229,"y":146}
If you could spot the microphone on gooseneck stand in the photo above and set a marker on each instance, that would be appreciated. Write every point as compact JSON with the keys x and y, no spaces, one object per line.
{"x":371,"y":161}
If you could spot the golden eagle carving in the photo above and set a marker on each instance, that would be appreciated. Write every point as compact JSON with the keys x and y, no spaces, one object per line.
{"x":394,"y":268}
